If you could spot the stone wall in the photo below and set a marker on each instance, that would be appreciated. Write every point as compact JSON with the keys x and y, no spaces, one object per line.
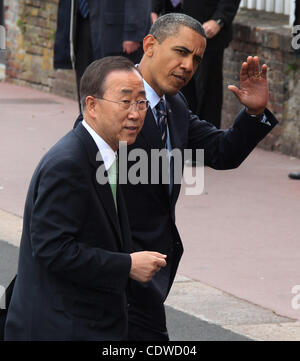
{"x":31,"y":26}
{"x":267,"y":36}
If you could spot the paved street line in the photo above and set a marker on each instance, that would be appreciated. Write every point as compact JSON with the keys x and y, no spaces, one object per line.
{"x":289,"y":331}
{"x":10,"y":228}
{"x":201,"y":301}
{"x":239,"y":316}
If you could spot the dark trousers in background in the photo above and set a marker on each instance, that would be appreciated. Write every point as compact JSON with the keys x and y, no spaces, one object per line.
{"x":84,"y":50}
{"x":204,"y":92}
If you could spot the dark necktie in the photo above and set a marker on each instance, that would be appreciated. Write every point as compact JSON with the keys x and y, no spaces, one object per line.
{"x":175,"y":3}
{"x":161,"y":114}
{"x":83,"y":8}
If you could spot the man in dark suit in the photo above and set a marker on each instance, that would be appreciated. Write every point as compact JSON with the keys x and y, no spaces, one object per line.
{"x":172,"y":53}
{"x":204,"y":92}
{"x":99,"y":28}
{"x":75,"y":255}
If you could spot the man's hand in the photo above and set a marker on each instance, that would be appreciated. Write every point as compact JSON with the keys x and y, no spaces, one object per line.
{"x":254,"y":91}
{"x":130,"y":46}
{"x":154,"y":17}
{"x":145,"y":264}
{"x":211,"y":28}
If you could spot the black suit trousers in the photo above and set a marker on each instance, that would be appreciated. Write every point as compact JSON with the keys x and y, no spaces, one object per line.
{"x":204,"y":92}
{"x":83,"y":49}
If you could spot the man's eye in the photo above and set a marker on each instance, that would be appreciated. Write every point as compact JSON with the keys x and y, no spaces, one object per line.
{"x":197,"y":60}
{"x":126,"y":101}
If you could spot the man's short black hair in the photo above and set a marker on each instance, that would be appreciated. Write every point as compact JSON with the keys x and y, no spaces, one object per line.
{"x":93,"y":79}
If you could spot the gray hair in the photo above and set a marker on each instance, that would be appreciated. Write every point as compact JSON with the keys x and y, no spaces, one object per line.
{"x":169,"y":24}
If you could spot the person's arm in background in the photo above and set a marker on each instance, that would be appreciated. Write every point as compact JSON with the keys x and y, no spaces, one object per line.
{"x":223,"y":16}
{"x":136,"y":25}
{"x":156,"y":9}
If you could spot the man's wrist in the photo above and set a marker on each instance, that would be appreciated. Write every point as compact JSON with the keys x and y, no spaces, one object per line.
{"x":220,"y":22}
{"x":255,"y":113}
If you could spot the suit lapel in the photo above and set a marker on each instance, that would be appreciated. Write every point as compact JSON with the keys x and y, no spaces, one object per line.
{"x":103,"y":190}
{"x":124,"y":222}
{"x":105,"y":194}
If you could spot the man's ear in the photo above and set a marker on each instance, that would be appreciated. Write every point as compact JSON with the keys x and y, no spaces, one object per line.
{"x":149,"y":44}
{"x":90,"y":106}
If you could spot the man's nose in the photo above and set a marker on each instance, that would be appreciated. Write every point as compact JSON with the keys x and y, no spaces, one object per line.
{"x":188,"y":64}
{"x":133,"y":112}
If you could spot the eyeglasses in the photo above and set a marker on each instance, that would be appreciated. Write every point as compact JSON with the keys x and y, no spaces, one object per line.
{"x":140,"y":105}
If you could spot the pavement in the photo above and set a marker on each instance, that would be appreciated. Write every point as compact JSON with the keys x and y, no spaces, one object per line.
{"x":239,"y":273}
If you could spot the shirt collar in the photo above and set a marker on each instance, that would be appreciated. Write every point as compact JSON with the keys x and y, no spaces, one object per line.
{"x":151,"y":95}
{"x":107,"y":153}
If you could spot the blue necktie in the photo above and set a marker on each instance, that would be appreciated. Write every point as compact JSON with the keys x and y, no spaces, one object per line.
{"x":83,"y":8}
{"x":161,"y":115}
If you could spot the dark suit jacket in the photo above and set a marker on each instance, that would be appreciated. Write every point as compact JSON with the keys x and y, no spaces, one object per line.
{"x":206,"y":10}
{"x":72,"y":271}
{"x":112,"y":22}
{"x":151,"y":210}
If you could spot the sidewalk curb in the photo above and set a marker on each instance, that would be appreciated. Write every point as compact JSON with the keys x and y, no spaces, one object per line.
{"x":239,"y":316}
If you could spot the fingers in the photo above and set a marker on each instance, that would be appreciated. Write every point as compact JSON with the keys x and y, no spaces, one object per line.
{"x":244,"y":72}
{"x":253,"y":68}
{"x":145,"y":264}
{"x":159,"y":259}
{"x":154,"y":17}
{"x":130,"y":46}
{"x":234,"y":89}
{"x":161,"y":262}
{"x":264,"y":70}
{"x":157,"y":254}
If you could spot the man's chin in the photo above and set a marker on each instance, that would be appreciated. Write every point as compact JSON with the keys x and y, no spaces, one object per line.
{"x":172,"y":91}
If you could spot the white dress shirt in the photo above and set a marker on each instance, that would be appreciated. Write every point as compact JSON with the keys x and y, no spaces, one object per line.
{"x":107,"y":153}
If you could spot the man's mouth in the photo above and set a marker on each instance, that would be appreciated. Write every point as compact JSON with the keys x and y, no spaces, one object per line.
{"x":132,"y":129}
{"x":180,"y":77}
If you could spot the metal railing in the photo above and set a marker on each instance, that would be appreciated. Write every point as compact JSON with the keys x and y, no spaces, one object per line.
{"x":286,"y":7}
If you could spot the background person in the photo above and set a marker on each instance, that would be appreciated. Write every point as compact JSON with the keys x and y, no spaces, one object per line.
{"x":88,"y":30}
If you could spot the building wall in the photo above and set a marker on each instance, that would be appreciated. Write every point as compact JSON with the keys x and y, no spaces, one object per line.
{"x":31,"y":26}
{"x":267,"y":36}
